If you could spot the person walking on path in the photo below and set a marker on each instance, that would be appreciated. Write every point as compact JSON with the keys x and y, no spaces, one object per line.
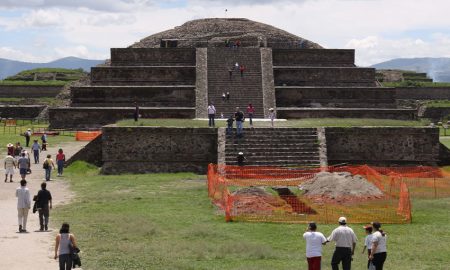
{"x":242,"y":69}
{"x":23,"y":205}
{"x":368,"y":243}
{"x":24,"y":165}
{"x":62,"y":249}
{"x":211,"y":115}
{"x":36,"y":148}
{"x":224,"y":97}
{"x":271,"y":116}
{"x":228,"y":96}
{"x":136,"y":112}
{"x":60,"y":160}
{"x":44,"y":141}
{"x":239,"y":118}
{"x":250,"y":112}
{"x":10,"y":165}
{"x":314,"y":242}
{"x":230,"y":121}
{"x":379,"y":250}
{"x":345,"y":240}
{"x":27,"y":137}
{"x":44,"y":204}
{"x":18,"y":151}
{"x":10,"y":148}
{"x":48,"y":166}
{"x":236,"y":66}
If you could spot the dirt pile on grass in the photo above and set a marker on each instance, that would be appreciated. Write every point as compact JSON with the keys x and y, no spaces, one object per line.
{"x":339,"y":187}
{"x":254,"y":200}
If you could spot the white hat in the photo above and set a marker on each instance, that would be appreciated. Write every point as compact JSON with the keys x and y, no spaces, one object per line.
{"x":240,"y":153}
{"x":342,"y":220}
{"x":271,"y":109}
{"x":29,"y":129}
{"x":10,"y":145}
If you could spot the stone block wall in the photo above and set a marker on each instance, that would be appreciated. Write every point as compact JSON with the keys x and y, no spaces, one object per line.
{"x":382,"y":145}
{"x":324,"y":76}
{"x":91,"y":153}
{"x":20,"y":111}
{"x":423,"y":93}
{"x":314,"y":57}
{"x":8,"y":91}
{"x":300,"y":113}
{"x":436,"y":114}
{"x":143,"y":75}
{"x":152,"y":56}
{"x":146,"y":96}
{"x":158,"y":149}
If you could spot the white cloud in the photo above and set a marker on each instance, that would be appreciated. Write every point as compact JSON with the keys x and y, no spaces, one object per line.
{"x":13,"y":54}
{"x":78,"y":51}
{"x":42,"y":18}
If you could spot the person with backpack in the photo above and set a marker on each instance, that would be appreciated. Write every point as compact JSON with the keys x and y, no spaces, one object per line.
{"x":48,"y":166}
{"x":44,"y":204}
{"x":60,"y":159}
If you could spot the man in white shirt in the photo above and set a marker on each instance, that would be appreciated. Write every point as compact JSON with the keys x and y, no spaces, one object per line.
{"x":10,"y":165}
{"x":314,"y":242}
{"x":23,"y":205}
{"x":345,"y":240}
{"x":211,"y":114}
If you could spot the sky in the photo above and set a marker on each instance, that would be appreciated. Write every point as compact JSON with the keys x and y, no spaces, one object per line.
{"x":379,"y":30}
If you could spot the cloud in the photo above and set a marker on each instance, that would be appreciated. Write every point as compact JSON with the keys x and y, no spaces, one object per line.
{"x":14,"y":54}
{"x":78,"y":51}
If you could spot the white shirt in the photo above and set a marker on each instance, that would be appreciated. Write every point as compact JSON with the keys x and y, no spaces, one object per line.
{"x":314,"y":241}
{"x":368,"y":241}
{"x":23,"y":197}
{"x":10,"y":162}
{"x":343,"y":236}
{"x":211,"y":109}
{"x":381,"y":240}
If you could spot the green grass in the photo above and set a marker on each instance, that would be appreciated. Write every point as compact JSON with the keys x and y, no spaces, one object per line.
{"x":166,"y":221}
{"x":50,"y":101}
{"x":310,"y":122}
{"x":34,"y":83}
{"x":438,"y":103}
{"x":415,"y":84}
{"x":51,"y":70}
{"x":445,"y":141}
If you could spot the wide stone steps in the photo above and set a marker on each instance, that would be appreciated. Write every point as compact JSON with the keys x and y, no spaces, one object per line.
{"x":282,"y":163}
{"x":377,"y":113}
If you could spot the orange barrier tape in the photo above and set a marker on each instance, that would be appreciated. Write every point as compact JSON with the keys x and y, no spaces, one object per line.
{"x":87,"y":135}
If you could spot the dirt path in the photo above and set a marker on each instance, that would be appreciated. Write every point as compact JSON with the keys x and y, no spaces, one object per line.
{"x":35,"y":249}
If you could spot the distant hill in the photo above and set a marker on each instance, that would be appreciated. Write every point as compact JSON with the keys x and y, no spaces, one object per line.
{"x":437,"y":68}
{"x":11,"y":67}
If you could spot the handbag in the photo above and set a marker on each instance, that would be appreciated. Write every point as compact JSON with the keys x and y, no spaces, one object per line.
{"x":35,"y":199}
{"x":372,"y":266}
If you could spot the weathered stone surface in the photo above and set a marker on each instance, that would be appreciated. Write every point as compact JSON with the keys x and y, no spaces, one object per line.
{"x":299,"y":113}
{"x":90,"y":153}
{"x":143,"y":75}
{"x":436,"y":114}
{"x":93,"y":117}
{"x":201,"y":85}
{"x":383,"y":145}
{"x":423,"y":93}
{"x":158,"y":149}
{"x":20,"y":111}
{"x":314,"y":57}
{"x":7,"y":91}
{"x":152,"y":56}
{"x":124,"y":96}
{"x":335,"y":97}
{"x":267,"y":80}
{"x":323,"y":76}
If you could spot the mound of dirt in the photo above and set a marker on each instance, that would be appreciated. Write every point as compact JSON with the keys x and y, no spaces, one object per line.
{"x":340,"y":185}
{"x":254,"y":200}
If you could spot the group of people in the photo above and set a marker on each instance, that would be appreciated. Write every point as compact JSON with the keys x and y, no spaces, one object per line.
{"x":236,"y":68}
{"x":345,"y":239}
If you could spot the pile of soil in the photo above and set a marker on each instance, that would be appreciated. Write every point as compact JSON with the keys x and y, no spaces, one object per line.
{"x":255,"y":200}
{"x":339,"y":187}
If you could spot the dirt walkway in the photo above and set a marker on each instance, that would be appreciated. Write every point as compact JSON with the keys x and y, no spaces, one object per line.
{"x":35,"y":249}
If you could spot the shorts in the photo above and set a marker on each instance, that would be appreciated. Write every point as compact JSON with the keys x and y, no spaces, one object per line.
{"x":9,"y":171}
{"x":23,"y":171}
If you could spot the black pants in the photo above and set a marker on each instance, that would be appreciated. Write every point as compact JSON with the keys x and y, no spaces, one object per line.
{"x":378,"y":260}
{"x":211,"y":120}
{"x":343,"y":255}
{"x":43,"y":217}
{"x":65,"y":262}
{"x":27,"y":141}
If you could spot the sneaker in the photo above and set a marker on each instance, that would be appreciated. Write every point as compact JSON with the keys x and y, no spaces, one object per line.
{"x":46,"y":228}
{"x":20,"y":228}
{"x":41,"y":228}
{"x":10,"y":181}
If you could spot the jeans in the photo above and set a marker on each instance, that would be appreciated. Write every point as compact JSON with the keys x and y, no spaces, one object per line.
{"x":211,"y":120}
{"x":378,"y":260}
{"x":342,"y":254}
{"x":239,"y":128}
{"x":48,"y":172}
{"x":36,"y":156}
{"x":229,"y":130}
{"x":65,"y":262}
{"x":250,"y":116}
{"x":44,"y":213}
{"x":60,"y":164}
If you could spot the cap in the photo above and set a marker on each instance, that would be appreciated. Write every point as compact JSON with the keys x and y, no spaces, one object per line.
{"x":10,"y":145}
{"x":29,"y":129}
{"x":342,"y":220}
{"x":376,"y":224}
{"x":312,"y":226}
{"x":240,"y":153}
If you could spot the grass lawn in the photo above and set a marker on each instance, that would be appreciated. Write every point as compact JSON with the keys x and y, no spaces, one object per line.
{"x":415,"y":84}
{"x":310,"y":122}
{"x":166,"y":221}
{"x":34,"y":83}
{"x":446,"y":141}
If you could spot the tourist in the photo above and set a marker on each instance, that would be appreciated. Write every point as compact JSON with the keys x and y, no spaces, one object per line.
{"x":250,"y":112}
{"x":44,"y":204}
{"x":241,"y":159}
{"x":379,"y":250}
{"x":63,"y":242}
{"x":228,"y":96}
{"x":224,"y":97}
{"x":314,"y":242}
{"x":239,"y":118}
{"x":230,"y":73}
{"x":271,"y":116}
{"x":44,"y":141}
{"x":368,"y":243}
{"x":238,"y":43}
{"x":136,"y":112}
{"x":35,"y":148}
{"x":242,"y":69}
{"x":60,"y":160}
{"x":23,"y":205}
{"x":27,"y":137}
{"x":236,"y":66}
{"x":345,"y":240}
{"x":10,"y":165}
{"x":48,"y":166}
{"x":24,"y":165}
{"x":211,"y":115}
{"x":10,"y":148}
{"x":230,"y":121}
{"x":18,"y":151}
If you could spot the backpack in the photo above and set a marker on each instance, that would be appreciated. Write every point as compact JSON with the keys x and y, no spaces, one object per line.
{"x":45,"y":165}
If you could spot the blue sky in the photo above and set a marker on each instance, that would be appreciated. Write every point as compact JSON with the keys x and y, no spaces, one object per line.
{"x":379,"y":30}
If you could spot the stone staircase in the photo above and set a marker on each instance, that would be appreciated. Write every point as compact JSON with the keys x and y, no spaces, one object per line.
{"x":274,"y":147}
{"x":243,"y":90}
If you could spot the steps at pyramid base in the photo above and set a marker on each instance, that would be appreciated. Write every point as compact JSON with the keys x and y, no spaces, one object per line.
{"x":299,"y":113}
{"x":95,"y":117}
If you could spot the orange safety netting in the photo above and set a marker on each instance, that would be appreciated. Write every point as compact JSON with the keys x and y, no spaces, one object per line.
{"x":231,"y":188}
{"x":87,"y":135}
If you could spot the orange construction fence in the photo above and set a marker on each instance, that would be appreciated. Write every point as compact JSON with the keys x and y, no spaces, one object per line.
{"x":253,"y":193}
{"x":87,"y":135}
